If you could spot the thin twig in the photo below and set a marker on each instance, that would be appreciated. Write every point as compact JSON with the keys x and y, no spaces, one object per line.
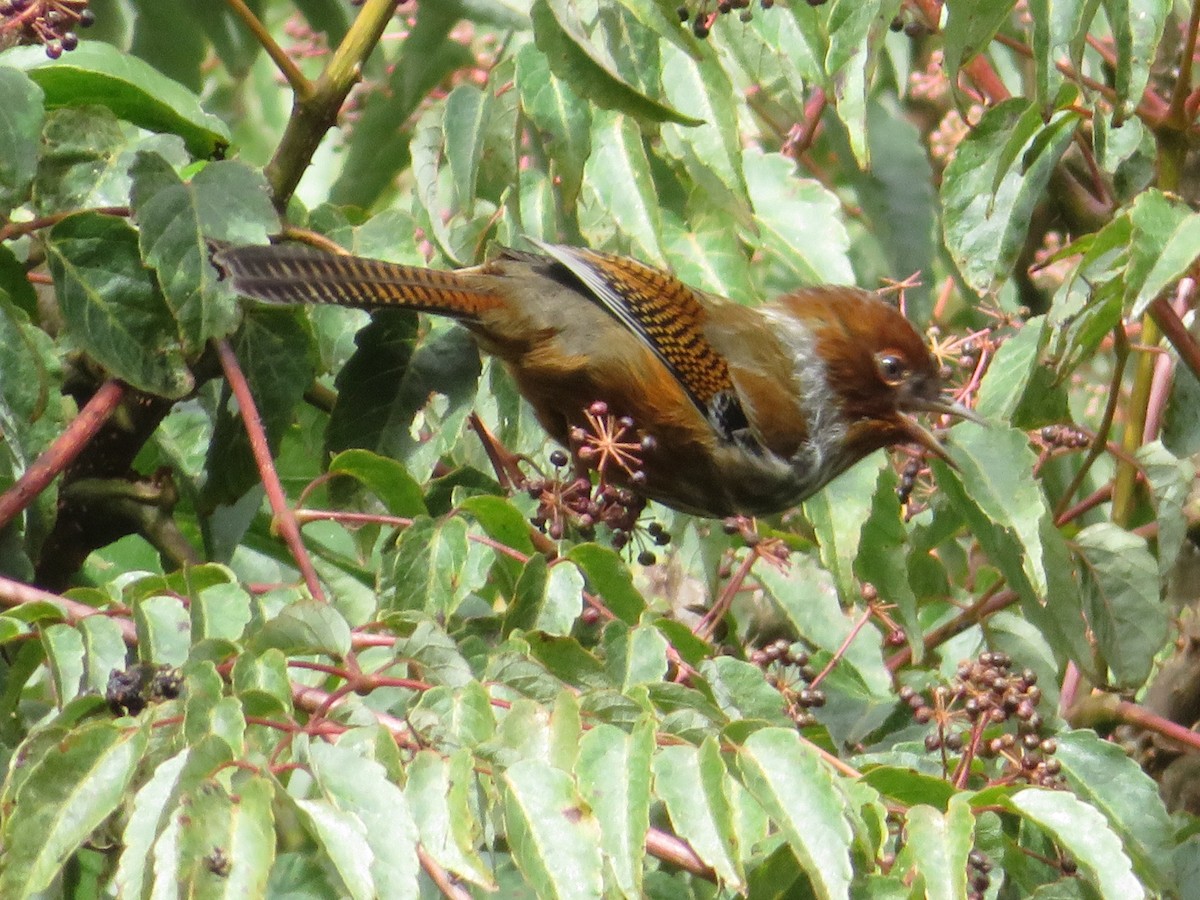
{"x":300,"y":85}
{"x":16,"y":593}
{"x":60,"y":454}
{"x":1176,"y":332}
{"x":1100,"y":442}
{"x":285,"y":519}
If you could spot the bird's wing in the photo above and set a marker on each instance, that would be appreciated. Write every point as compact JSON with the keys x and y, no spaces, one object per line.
{"x":668,"y":317}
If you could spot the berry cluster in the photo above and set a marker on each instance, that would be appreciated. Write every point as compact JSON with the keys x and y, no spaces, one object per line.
{"x":969,"y":716}
{"x":48,"y":22}
{"x":703,"y":17}
{"x":1065,"y":436}
{"x":130,"y":691}
{"x":787,"y":669}
{"x":978,"y":877}
{"x":908,"y":479}
{"x":611,"y":447}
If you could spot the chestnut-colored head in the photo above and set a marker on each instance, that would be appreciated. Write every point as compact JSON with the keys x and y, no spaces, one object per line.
{"x":878,"y":368}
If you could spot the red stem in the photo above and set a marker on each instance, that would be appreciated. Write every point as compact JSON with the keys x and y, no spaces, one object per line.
{"x":285,"y":519}
{"x":60,"y":454}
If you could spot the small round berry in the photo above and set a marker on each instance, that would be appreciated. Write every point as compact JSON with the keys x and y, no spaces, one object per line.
{"x":683,"y":14}
{"x":558,"y":459}
{"x":646,"y":558}
{"x":54,"y":49}
{"x":599,"y":408}
{"x":87,"y":19}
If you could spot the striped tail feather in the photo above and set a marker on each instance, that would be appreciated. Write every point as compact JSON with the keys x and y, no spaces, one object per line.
{"x":296,"y":274}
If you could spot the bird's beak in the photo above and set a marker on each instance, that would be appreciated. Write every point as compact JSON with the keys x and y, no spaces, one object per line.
{"x":919,"y":434}
{"x":942,"y":406}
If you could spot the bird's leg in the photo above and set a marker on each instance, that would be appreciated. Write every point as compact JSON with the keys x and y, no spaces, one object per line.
{"x":504,"y":461}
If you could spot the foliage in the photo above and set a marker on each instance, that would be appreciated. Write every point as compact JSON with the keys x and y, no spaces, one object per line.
{"x":913,"y":684}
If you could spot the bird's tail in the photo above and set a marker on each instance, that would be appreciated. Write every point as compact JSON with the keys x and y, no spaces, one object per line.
{"x":294,"y":274}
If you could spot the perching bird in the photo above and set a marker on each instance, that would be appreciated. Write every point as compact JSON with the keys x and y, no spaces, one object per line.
{"x":751,"y":409}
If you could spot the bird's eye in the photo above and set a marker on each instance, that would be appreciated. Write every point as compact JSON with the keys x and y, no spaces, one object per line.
{"x":891,"y":368}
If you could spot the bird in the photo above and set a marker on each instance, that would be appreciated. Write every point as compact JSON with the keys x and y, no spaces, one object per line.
{"x":749,"y":410}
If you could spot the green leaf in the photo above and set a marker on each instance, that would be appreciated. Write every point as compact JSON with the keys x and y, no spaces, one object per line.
{"x":609,"y":578}
{"x":884,"y":562}
{"x":208,"y":711}
{"x":112,"y":305}
{"x":85,"y":159}
{"x":360,"y":787}
{"x":1083,"y":832}
{"x":710,"y":151}
{"x":435,"y":568}
{"x":97,"y":73}
{"x":163,"y":630}
{"x":1170,"y":481}
{"x":392,"y":378}
{"x":449,"y":718}
{"x":104,"y":651}
{"x":156,"y":802}
{"x":618,"y":198}
{"x":799,"y":222}
{"x":695,"y":787}
{"x":573,"y":57}
{"x":970,"y":27}
{"x":787,"y":777}
{"x":560,"y":115}
{"x":1101,"y":774}
{"x":553,"y":835}
{"x":909,"y":787}
{"x":989,"y":195}
{"x":343,"y":838}
{"x":1121,"y":600}
{"x":501,"y":521}
{"x":1003,"y":506}
{"x":1059,"y":30}
{"x":20,"y":129}
{"x":838,"y":513}
{"x":468,"y":110}
{"x":1137,"y":26}
{"x":937,"y":845}
{"x":309,"y":626}
{"x":436,"y":653}
{"x":805,"y":595}
{"x":225,"y":200}
{"x":635,"y":655}
{"x":222,"y":843}
{"x":387,"y":479}
{"x":437,"y":794}
{"x":901,"y":200}
{"x":614,"y":780}
{"x":1174,"y":259}
{"x":64,"y":654}
{"x":705,"y":254}
{"x":260,"y":681}
{"x":68,"y":794}
{"x":741,"y":690}
{"x":548,"y":600}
